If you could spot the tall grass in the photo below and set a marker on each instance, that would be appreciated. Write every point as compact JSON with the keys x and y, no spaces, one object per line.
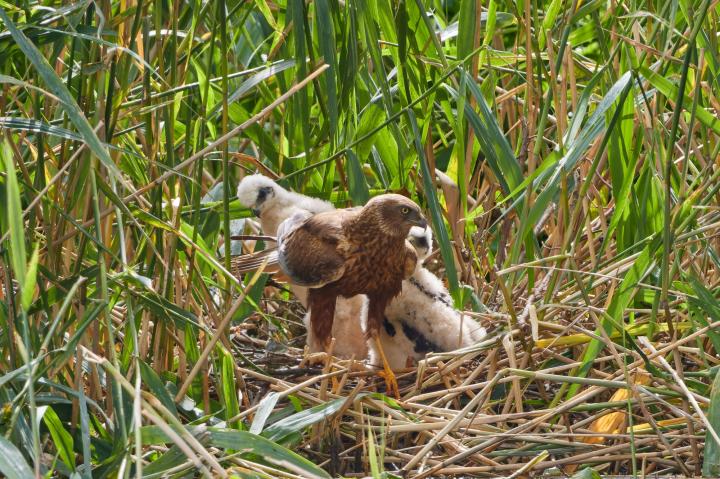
{"x":566,"y":152}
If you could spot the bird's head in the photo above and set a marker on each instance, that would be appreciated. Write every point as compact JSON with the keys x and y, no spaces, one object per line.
{"x":396,"y":214}
{"x":258,"y":192}
{"x":421,"y":240}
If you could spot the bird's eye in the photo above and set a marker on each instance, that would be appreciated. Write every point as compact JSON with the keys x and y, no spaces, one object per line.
{"x":263,"y":193}
{"x":405,"y":210}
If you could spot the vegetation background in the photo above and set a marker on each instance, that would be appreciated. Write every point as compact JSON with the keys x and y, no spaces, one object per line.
{"x":566,"y":151}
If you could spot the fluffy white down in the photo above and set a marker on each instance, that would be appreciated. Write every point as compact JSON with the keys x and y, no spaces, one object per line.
{"x":279,"y":205}
{"x":421,"y":239}
{"x":348,"y":329}
{"x":428,"y":310}
{"x":249,"y":186}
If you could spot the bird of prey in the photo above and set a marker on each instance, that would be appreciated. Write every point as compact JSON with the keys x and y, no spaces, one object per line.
{"x":347,"y":252}
{"x":422,"y":319}
{"x":273,"y":204}
{"x":349,"y":333}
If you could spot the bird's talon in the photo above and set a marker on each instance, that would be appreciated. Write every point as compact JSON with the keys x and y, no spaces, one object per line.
{"x":390,"y":382}
{"x":314,"y":359}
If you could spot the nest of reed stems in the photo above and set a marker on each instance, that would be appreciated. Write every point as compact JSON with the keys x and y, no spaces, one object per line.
{"x":524,"y":402}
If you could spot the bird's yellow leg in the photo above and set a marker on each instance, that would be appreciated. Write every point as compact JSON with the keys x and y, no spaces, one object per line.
{"x":328,"y":366}
{"x":387,"y":373}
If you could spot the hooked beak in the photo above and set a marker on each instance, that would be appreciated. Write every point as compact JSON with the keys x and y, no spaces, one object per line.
{"x":421,"y":222}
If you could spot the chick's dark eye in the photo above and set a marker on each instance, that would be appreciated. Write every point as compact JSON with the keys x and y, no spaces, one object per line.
{"x":405,"y":210}
{"x":263,"y":193}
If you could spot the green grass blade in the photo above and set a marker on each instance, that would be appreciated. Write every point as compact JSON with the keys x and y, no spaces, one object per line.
{"x":12,"y":462}
{"x":287,"y":427}
{"x":441,"y":233}
{"x":156,"y":387}
{"x":357,"y":184}
{"x":13,"y":209}
{"x":250,"y":446}
{"x":667,"y":88}
{"x":229,"y":388}
{"x":59,"y":89}
{"x":62,"y":439}
{"x":326,"y":35}
{"x":711,"y":459}
{"x":620,"y":302}
{"x":28,"y":287}
{"x":492,"y":141}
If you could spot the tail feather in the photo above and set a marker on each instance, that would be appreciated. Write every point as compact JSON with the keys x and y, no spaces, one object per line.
{"x":253,"y":261}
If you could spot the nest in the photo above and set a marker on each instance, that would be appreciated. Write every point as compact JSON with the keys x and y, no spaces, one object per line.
{"x":523,"y":402}
{"x":559,"y":385}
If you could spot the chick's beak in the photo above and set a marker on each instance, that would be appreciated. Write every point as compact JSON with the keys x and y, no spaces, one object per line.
{"x":256,"y":212}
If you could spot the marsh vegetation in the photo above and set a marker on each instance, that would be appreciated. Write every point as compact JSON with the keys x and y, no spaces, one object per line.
{"x":566,"y":153}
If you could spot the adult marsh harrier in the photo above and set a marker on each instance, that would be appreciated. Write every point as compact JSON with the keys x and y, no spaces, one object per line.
{"x":343,"y":253}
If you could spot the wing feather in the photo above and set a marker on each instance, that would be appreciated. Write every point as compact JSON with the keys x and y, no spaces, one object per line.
{"x":311,"y":248}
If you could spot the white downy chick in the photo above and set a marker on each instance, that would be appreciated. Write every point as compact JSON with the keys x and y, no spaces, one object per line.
{"x":422,"y":319}
{"x":273,"y":204}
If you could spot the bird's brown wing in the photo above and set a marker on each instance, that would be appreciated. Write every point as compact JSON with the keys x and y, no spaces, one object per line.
{"x":269,"y":257}
{"x":312,"y":251}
